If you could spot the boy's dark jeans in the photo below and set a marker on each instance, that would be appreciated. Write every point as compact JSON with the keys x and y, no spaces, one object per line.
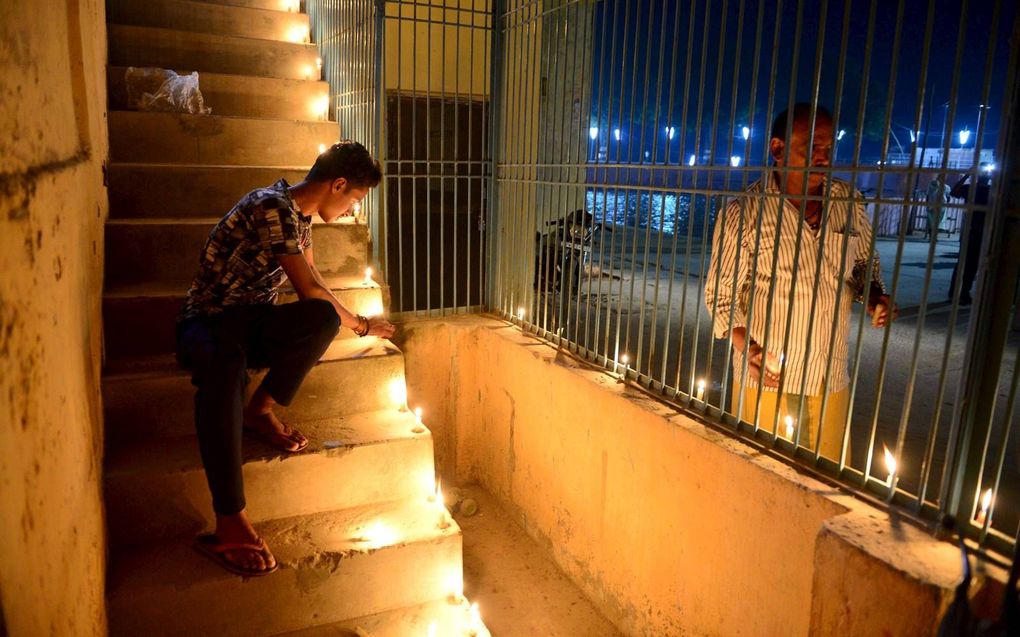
{"x":287,"y":339}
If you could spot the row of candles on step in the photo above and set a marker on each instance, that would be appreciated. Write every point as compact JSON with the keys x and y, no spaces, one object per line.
{"x":379,"y":534}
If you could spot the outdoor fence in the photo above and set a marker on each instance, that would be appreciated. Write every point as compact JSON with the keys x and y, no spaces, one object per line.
{"x":566,"y":164}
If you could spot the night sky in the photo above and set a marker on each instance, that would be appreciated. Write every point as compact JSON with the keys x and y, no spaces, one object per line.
{"x":638,"y":38}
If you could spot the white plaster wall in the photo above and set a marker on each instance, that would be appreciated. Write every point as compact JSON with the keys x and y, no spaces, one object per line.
{"x":52,"y":208}
{"x":670,"y":527}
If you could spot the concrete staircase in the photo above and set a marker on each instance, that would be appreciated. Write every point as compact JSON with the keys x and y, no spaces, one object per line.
{"x":362,"y":544}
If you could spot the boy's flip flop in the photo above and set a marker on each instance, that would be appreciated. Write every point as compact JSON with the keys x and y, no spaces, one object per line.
{"x":210,"y":546}
{"x":279,"y":439}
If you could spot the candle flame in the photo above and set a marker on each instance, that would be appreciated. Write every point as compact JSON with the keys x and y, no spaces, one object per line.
{"x":320,"y":106}
{"x":701,"y":385}
{"x":432,"y":629}
{"x":890,"y":460}
{"x":368,"y":276}
{"x":439,"y":494}
{"x":380,"y":535}
{"x":398,"y":393}
{"x":986,"y":502}
{"x":520,"y":314}
{"x":298,"y":34}
{"x":318,"y":63}
{"x":322,"y":148}
{"x":624,"y":359}
{"x":417,"y":414}
{"x":475,"y":616}
{"x":789,"y":427}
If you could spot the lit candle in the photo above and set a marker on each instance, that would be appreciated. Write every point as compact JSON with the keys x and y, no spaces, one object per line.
{"x":789,"y":427}
{"x":308,"y":72}
{"x":890,"y":464}
{"x":322,"y":148}
{"x":701,"y":389}
{"x":318,"y":66}
{"x":520,"y":314}
{"x":986,"y":504}
{"x":398,"y":393}
{"x":432,"y":629}
{"x":474,"y":619}
{"x":368,"y":276}
{"x":417,"y":415}
{"x":626,"y":366}
{"x":321,"y":107}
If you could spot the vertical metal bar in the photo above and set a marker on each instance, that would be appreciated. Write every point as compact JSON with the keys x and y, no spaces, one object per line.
{"x":993,"y":307}
{"x":497,"y":62}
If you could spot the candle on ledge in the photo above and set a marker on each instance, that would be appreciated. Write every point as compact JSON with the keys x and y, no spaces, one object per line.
{"x":318,"y":66}
{"x":701,"y":389}
{"x":626,"y":366}
{"x":417,"y":416}
{"x":789,"y":427}
{"x":368,"y":276}
{"x":986,"y":504}
{"x":890,"y":465}
{"x":520,"y":314}
{"x":474,"y":620}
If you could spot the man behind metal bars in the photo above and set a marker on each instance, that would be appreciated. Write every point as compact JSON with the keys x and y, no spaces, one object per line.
{"x":787,"y":307}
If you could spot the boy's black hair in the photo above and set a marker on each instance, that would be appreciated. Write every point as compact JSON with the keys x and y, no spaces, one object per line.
{"x":350,"y":160}
{"x":801,"y":110}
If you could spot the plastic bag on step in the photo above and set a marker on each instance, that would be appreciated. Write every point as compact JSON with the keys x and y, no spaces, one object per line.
{"x":161,"y":90}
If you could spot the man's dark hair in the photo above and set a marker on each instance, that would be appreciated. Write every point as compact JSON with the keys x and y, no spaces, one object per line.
{"x":349,"y":160}
{"x":801,"y":111}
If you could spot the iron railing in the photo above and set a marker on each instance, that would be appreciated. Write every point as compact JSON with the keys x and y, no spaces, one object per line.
{"x":565,"y":164}
{"x":652,"y":145}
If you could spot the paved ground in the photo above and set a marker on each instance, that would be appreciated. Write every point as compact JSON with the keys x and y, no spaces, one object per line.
{"x":649,"y":305}
{"x":519,"y":589}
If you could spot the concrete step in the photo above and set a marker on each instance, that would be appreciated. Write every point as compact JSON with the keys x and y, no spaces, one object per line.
{"x":333,"y":567}
{"x":156,"y":307}
{"x":206,"y":52}
{"x":203,"y":17}
{"x":243,"y":96}
{"x":169,"y":190}
{"x":213,"y":140}
{"x":441,"y":618}
{"x":152,"y":398}
{"x":166,"y":251}
{"x":381,"y":456}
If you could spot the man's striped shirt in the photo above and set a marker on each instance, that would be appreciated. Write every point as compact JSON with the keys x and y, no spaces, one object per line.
{"x":755,"y":258}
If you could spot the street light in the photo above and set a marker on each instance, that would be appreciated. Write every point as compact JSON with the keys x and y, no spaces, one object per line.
{"x":690,"y":162}
{"x":964,"y":136}
{"x":616,"y":134}
{"x":746,"y":132}
{"x":593,"y":132}
{"x":735,"y":161}
{"x":670,"y":131}
{"x":840,"y":134}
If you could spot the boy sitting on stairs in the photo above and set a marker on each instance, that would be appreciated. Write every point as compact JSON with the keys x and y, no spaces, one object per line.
{"x":229,"y":323}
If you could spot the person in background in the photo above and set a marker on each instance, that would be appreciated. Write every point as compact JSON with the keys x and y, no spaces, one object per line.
{"x":802,"y":239}
{"x":937,"y":197}
{"x":973,"y":229}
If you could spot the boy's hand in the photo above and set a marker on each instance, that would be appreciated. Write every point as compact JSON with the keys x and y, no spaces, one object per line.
{"x":378,"y":326}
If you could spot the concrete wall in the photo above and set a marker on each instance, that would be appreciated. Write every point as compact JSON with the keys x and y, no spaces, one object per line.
{"x":438,"y":47}
{"x":670,"y":527}
{"x":52,"y":208}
